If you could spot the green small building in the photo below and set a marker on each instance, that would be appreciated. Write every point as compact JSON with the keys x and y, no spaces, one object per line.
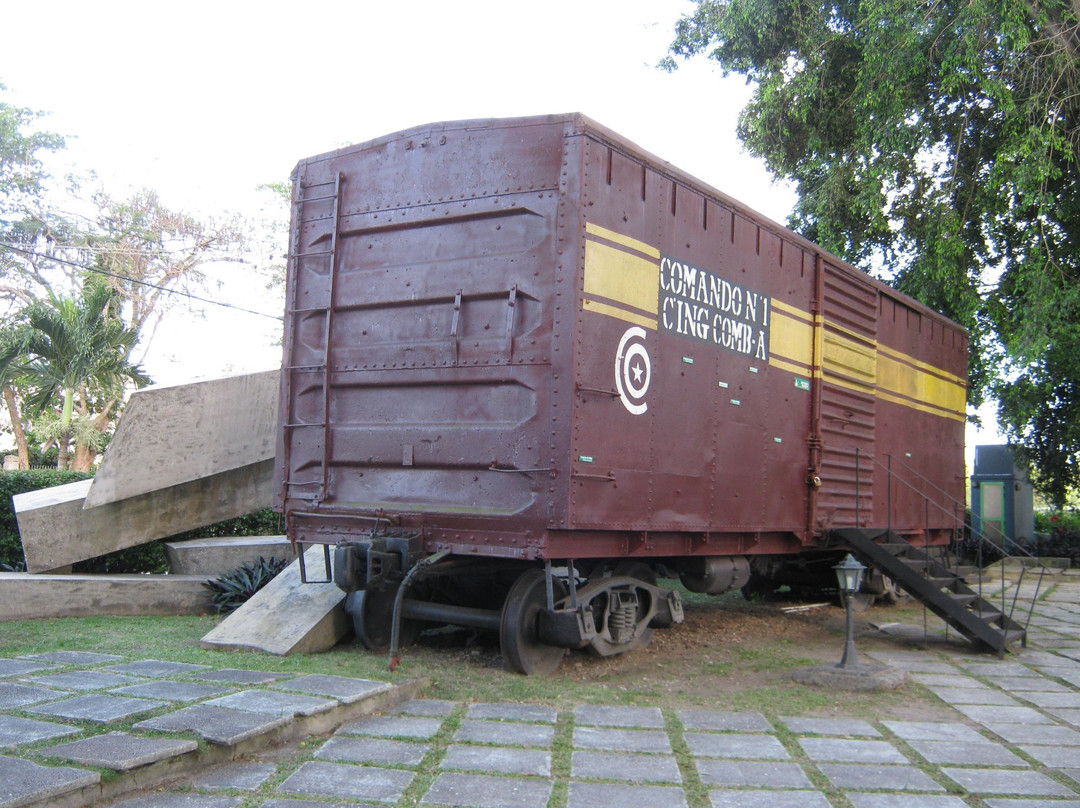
{"x":1002,"y":498}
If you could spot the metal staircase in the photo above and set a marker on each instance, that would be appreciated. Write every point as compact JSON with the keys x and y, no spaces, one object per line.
{"x":927,"y":574}
{"x":940,"y":589}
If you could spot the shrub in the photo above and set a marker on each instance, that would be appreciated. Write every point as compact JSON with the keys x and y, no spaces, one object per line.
{"x":236,"y":587}
{"x":264,"y":522}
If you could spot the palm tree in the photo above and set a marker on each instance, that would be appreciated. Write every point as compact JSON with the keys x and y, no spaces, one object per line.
{"x":78,"y":346}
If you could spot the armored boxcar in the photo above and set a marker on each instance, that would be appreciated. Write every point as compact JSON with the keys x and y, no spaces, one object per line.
{"x":529,"y":367}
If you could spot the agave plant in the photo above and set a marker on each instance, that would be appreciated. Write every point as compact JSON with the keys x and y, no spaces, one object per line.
{"x":236,"y":587}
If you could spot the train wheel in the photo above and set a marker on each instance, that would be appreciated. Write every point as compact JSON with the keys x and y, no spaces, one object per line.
{"x":372,"y":613}
{"x":518,"y":636}
{"x":894,"y":594}
{"x":623,"y":619}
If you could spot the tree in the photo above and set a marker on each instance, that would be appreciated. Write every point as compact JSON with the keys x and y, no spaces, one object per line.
{"x":937,"y":144}
{"x":79,"y":348}
{"x":144,"y":250}
{"x":28,"y":232}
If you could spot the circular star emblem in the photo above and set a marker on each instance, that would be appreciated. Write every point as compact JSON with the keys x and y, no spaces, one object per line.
{"x":633,"y":370}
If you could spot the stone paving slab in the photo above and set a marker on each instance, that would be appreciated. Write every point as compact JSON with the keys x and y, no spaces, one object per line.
{"x":843,"y":750}
{"x":752,"y":773}
{"x":948,"y":680}
{"x":171,"y":691}
{"x":533,"y":713}
{"x":120,"y":751}
{"x":15,"y":731}
{"x":1011,"y":803}
{"x":1055,"y":757}
{"x":85,"y":680}
{"x":218,"y":725}
{"x":933,"y":731}
{"x":768,"y":799}
{"x":481,"y":791}
{"x":348,"y":781}
{"x":864,"y":800}
{"x":592,"y":715}
{"x":431,"y":708}
{"x":971,"y":695}
{"x":345,"y":690}
{"x":13,"y":696}
{"x":845,"y":727}
{"x":21,"y":667}
{"x":1042,"y":699}
{"x":985,"y":753}
{"x":720,"y":721}
{"x":1036,"y":733}
{"x":235,"y":776}
{"x":1003,"y":715}
{"x":1028,"y":683}
{"x":621,"y":740}
{"x":372,"y":750}
{"x":592,"y":795}
{"x":881,"y":778}
{"x":1007,"y":781}
{"x":273,"y":703}
{"x":747,"y":747}
{"x":154,"y":668}
{"x":624,"y":766}
{"x":23,"y":781}
{"x":98,"y":708}
{"x":394,"y":727}
{"x":501,"y":760}
{"x":506,"y":734}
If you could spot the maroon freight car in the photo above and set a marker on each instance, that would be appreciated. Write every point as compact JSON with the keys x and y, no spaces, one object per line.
{"x":528,"y":367}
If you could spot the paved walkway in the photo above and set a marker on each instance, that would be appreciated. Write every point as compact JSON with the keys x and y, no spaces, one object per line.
{"x":1008,"y":737}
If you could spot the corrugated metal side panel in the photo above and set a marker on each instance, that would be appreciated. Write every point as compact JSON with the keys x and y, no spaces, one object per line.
{"x":848,"y":351}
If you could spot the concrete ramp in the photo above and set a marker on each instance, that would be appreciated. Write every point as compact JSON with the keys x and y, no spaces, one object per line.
{"x":177,"y":434}
{"x":286,"y":616}
{"x":182,"y":457}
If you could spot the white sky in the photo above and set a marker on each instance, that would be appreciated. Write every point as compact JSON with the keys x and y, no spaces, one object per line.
{"x":205,"y":101}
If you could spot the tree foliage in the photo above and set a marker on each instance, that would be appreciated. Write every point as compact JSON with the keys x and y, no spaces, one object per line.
{"x":938,"y":145}
{"x":78,"y":350}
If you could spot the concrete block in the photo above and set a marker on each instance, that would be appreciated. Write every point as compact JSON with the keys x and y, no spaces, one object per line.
{"x":120,"y":751}
{"x":28,"y":597}
{"x":23,"y":782}
{"x":56,"y":530}
{"x":286,"y":616}
{"x":215,"y":556}
{"x":171,"y":435}
{"x":218,"y":725}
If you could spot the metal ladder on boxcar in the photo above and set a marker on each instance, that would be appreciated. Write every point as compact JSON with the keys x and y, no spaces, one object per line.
{"x":940,"y":583}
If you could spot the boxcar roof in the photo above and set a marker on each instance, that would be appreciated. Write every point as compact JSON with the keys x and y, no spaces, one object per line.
{"x":581,"y":124}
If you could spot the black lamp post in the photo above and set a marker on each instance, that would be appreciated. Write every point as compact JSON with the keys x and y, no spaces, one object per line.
{"x":849,"y":573}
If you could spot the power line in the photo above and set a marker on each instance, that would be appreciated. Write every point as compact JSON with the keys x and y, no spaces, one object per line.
{"x":147,"y":284}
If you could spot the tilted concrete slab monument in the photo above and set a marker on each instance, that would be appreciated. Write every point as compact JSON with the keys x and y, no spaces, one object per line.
{"x":182,"y":457}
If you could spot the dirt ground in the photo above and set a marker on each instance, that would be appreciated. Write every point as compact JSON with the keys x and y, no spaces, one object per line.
{"x":732,"y":651}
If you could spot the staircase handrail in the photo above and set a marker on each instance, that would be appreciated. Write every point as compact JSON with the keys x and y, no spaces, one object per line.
{"x":980,"y":537}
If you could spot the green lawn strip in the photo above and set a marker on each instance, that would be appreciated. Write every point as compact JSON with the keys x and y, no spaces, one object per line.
{"x":697,"y":793}
{"x":562,"y":749}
